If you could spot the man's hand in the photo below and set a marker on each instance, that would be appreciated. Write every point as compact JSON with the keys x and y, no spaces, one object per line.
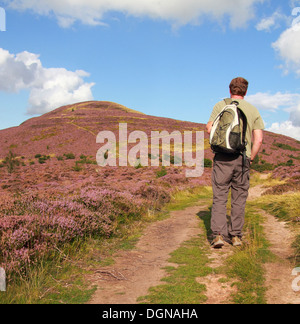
{"x":209,"y":127}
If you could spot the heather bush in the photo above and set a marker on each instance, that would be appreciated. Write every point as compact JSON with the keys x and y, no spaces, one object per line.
{"x":156,"y":195}
{"x":33,"y":227}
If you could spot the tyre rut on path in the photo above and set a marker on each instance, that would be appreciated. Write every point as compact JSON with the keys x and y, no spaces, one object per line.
{"x":135,"y":271}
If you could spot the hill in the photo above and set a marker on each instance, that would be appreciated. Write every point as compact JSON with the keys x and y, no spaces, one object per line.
{"x":52,"y":191}
{"x":61,"y":146}
{"x":73,"y":129}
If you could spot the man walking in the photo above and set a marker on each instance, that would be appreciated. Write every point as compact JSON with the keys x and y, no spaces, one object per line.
{"x":232,"y":171}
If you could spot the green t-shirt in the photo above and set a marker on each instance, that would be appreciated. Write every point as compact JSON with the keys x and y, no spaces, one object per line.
{"x":253,"y":117}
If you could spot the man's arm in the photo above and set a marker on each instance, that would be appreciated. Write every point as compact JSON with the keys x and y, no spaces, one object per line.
{"x":258,"y":136}
{"x":209,"y":127}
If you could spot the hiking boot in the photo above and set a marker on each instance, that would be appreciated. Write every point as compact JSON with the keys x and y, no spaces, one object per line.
{"x":218,"y":242}
{"x":236,"y":241}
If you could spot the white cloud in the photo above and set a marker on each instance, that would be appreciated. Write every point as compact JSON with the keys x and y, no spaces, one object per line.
{"x":273,"y":102}
{"x":272,"y":22}
{"x":288,"y":48}
{"x":289,"y":102}
{"x":286,"y":128}
{"x":49,"y":87}
{"x":178,"y":12}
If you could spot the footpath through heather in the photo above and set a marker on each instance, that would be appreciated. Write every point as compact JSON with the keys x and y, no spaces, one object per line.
{"x":135,"y":272}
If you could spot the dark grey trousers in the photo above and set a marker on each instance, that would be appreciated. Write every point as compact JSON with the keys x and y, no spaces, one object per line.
{"x":228,"y":174}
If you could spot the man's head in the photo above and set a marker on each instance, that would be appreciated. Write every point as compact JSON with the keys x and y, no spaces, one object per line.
{"x":239,"y":87}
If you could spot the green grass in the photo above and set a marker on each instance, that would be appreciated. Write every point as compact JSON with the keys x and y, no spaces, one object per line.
{"x":183,"y":199}
{"x":246,"y":264}
{"x":59,"y":279}
{"x":285,"y":208}
{"x":181,"y":286}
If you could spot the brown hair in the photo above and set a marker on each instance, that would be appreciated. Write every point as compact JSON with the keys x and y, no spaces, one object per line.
{"x":239,"y":87}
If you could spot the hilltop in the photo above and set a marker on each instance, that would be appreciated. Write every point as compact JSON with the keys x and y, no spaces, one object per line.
{"x":74,"y":129}
{"x":59,"y":148}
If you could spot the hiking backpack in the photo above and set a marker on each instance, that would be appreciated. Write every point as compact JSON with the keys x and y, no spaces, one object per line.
{"x":228,"y":134}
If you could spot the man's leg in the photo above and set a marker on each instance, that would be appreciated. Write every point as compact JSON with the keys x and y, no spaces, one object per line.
{"x":239,"y":193}
{"x":221,"y":182}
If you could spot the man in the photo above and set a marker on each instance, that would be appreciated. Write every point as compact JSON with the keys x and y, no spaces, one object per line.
{"x":230,"y":172}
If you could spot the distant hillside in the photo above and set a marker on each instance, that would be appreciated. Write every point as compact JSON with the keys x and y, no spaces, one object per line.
{"x":58,"y":150}
{"x":73,"y":129}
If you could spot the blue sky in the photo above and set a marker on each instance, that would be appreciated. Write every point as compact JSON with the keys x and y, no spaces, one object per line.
{"x":168,"y":58}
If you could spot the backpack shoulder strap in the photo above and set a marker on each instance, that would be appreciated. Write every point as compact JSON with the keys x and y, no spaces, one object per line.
{"x":245,"y":124}
{"x":228,"y":101}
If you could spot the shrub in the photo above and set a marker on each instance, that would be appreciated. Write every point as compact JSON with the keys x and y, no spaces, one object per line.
{"x":262,"y":165}
{"x":285,"y":147}
{"x":161,"y":173}
{"x":77,"y":167}
{"x":69,"y":156}
{"x":208,"y":163}
{"x":43,"y":159}
{"x":32,"y":228}
{"x":11,"y":162}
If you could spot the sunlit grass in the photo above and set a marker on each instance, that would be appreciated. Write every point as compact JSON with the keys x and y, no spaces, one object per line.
{"x":180,"y":286}
{"x":285,"y":208}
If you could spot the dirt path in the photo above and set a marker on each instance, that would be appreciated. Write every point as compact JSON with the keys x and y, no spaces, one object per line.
{"x":218,"y":291}
{"x":279,"y":274}
{"x":134,"y":272}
